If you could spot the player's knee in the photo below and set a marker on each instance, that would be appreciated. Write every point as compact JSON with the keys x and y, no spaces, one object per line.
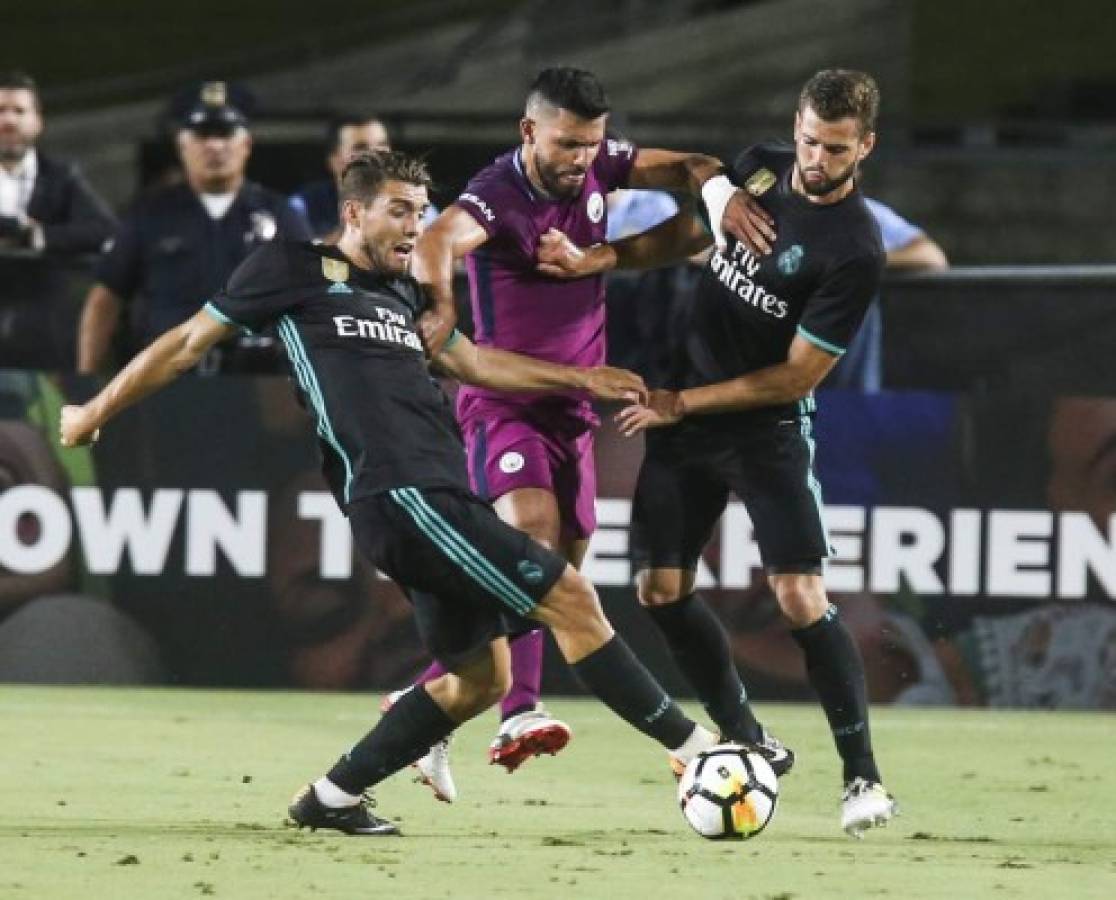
{"x":802,"y":602}
{"x":658,"y":587}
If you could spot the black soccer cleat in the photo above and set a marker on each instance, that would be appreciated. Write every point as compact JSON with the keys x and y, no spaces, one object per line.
{"x":779,"y":756}
{"x":307,"y":811}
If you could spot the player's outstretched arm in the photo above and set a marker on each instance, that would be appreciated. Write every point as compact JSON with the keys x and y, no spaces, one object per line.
{"x":501,"y":370}
{"x":669,"y":242}
{"x":805,"y":367}
{"x":167,"y":357}
{"x":453,"y":234}
{"x":731,"y":210}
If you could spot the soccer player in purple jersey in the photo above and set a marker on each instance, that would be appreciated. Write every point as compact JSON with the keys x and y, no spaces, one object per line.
{"x":532,"y":454}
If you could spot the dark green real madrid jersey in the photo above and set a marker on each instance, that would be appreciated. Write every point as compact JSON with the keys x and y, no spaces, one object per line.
{"x":817,"y":282}
{"x":382,"y":421}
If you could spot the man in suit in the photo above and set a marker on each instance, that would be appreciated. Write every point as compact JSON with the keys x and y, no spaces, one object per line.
{"x":48,"y":216}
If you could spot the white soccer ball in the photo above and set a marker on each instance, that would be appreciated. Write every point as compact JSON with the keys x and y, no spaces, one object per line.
{"x":729,"y":792}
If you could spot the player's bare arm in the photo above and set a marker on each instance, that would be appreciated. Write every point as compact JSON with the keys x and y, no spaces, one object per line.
{"x":669,"y":242}
{"x":453,"y":234}
{"x":175,"y":352}
{"x":805,"y":367}
{"x":502,"y":370}
{"x":731,"y":210}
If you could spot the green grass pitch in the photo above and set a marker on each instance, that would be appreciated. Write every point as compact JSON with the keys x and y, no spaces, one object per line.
{"x":176,"y":794}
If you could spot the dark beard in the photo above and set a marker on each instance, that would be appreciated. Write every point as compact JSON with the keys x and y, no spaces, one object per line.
{"x":827,"y":186}
{"x":555,"y":188}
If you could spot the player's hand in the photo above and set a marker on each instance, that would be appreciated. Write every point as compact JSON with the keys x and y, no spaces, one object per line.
{"x":661,"y":408}
{"x":607,"y":383}
{"x":559,"y":257}
{"x":77,"y":427}
{"x":435,"y":326}
{"x":748,"y":222}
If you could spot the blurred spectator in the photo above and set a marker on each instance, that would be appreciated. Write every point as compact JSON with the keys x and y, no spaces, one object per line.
{"x":318,"y":201}
{"x":179,"y":244}
{"x":634,"y":331}
{"x":48,"y":213}
{"x":908,"y":248}
{"x":632,"y":212}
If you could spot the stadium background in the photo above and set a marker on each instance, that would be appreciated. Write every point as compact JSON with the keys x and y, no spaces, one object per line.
{"x":1000,"y":149}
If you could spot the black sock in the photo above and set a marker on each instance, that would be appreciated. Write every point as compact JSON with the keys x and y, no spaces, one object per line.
{"x":403,"y":734}
{"x":613,"y":673}
{"x":837,"y":674}
{"x":700,"y":646}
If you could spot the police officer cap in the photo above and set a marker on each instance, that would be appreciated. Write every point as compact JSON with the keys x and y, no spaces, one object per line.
{"x":213,"y":110}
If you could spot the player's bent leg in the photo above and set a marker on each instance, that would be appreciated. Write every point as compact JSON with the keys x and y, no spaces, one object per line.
{"x":836,"y":672}
{"x":526,"y":728}
{"x":415,"y":722}
{"x":606,"y":665}
{"x":470,"y":689}
{"x":702,"y":650}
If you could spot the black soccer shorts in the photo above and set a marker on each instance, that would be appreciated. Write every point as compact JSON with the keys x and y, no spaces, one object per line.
{"x":470,"y":577}
{"x":684,"y":486}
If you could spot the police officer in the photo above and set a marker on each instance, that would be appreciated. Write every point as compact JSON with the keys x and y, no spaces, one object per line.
{"x":180,"y":244}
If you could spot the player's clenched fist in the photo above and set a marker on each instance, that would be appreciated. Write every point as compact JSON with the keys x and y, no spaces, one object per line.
{"x":559,"y":257}
{"x":77,"y":429}
{"x":607,"y":383}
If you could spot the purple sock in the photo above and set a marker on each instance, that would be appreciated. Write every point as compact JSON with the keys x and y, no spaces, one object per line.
{"x":526,"y":662}
{"x":526,"y":665}
{"x":436,"y":670}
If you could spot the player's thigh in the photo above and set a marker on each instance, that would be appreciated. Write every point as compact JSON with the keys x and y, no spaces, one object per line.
{"x":776,"y":480}
{"x":505,"y":453}
{"x":471,"y":577}
{"x":678,"y":500}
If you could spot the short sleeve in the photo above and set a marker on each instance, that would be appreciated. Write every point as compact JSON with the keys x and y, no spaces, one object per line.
{"x":835,"y":311}
{"x":258,"y":291}
{"x":120,"y":267}
{"x":481,"y":199}
{"x":895,"y":231}
{"x":614,"y":163}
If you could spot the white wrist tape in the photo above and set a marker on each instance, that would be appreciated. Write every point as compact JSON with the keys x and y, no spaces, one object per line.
{"x":716,"y":193}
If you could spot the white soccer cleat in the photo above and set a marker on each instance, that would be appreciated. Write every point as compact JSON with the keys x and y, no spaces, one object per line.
{"x":527,"y":734}
{"x":434,"y":772}
{"x":866,"y":804}
{"x":433,"y":768}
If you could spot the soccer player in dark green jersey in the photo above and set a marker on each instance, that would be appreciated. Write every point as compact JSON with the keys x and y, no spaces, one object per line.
{"x":736,"y":414}
{"x":348,"y":316}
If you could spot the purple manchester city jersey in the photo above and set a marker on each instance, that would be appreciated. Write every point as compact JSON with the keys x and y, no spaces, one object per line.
{"x":514,"y":306}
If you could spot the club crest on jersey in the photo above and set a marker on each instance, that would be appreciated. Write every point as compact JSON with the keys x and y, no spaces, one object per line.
{"x":532,"y":572}
{"x":511,"y":462}
{"x":595,"y":207}
{"x":335,"y":270}
{"x":790,"y":260}
{"x":760,"y":182}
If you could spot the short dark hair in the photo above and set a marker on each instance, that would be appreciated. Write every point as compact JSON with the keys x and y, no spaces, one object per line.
{"x":575,"y":90}
{"x":842,"y":94}
{"x":333,"y":129}
{"x":365,"y":174}
{"x":18,"y":80}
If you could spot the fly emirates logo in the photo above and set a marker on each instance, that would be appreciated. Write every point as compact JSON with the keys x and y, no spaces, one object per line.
{"x":389,"y":327}
{"x":737,"y":271}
